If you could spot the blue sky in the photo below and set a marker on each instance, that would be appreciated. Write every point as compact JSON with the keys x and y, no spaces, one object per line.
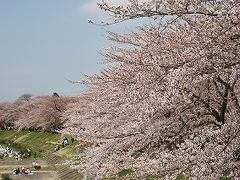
{"x":45,"y":42}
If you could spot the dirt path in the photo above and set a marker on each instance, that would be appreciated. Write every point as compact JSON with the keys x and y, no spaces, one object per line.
{"x":38,"y":175}
{"x":7,"y":166}
{"x":25,"y":163}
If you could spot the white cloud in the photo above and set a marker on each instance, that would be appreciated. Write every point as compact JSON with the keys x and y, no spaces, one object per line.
{"x":89,"y":7}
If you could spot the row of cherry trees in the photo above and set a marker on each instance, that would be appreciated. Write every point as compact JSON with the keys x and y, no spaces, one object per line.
{"x":40,"y":113}
{"x":168,"y":103}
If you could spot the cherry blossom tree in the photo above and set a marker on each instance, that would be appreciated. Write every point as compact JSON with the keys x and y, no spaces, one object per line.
{"x":8,"y":115}
{"x":43,"y":113}
{"x":168,"y":103}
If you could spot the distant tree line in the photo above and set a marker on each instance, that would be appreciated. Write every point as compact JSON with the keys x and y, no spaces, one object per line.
{"x":41,"y":113}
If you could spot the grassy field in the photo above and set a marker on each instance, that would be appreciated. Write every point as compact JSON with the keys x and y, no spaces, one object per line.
{"x":36,"y":141}
{"x":39,"y":143}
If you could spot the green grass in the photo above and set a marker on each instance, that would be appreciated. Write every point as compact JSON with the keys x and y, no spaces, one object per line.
{"x":36,"y":141}
{"x":125,"y":172}
{"x":158,"y":177}
{"x":67,"y":152}
{"x":182,"y":177}
{"x":152,"y":177}
{"x":225,"y":178}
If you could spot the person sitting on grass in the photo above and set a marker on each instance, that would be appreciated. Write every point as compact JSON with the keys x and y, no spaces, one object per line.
{"x":16,"y":171}
{"x":57,"y":147}
{"x":29,"y":152}
{"x":23,"y":170}
{"x":33,"y":164}
{"x":65,"y":141}
{"x":36,"y":165}
{"x":28,"y":171}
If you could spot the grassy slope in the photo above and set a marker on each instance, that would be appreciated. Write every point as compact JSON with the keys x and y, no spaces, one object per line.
{"x":36,"y":141}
